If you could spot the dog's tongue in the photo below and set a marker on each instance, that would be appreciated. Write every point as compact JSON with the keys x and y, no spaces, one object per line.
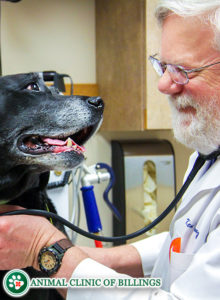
{"x":55,"y":142}
{"x":62,"y":146}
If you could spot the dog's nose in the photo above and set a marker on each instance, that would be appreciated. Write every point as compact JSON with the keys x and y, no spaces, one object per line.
{"x":96,"y":101}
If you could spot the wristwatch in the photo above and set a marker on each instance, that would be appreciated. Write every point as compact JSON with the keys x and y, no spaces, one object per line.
{"x":50,"y":258}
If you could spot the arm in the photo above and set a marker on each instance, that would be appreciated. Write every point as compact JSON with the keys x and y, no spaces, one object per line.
{"x":136,"y":260}
{"x":123,"y":259}
{"x":23,"y":236}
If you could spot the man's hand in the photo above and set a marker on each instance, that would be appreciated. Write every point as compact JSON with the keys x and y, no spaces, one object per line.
{"x":22,"y":237}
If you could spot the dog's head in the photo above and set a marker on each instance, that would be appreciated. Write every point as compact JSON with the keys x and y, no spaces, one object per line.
{"x":42,"y":129}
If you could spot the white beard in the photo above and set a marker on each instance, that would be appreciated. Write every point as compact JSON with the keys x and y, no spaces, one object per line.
{"x":201,"y":131}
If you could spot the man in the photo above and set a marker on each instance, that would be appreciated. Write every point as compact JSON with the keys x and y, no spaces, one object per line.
{"x":188,"y":257}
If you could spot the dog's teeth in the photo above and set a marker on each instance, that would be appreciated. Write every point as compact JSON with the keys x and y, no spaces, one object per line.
{"x":69,"y":142}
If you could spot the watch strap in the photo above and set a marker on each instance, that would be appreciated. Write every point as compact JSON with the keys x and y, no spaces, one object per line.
{"x":62,"y":245}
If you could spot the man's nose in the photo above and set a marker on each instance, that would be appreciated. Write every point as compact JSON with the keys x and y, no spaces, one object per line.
{"x":167,"y":86}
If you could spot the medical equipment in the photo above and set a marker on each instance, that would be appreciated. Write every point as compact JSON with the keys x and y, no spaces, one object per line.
{"x":57,"y":80}
{"x":201,"y":159}
{"x":93,"y":176}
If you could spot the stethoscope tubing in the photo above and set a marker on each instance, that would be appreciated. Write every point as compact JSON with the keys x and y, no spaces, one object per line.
{"x":201,"y":159}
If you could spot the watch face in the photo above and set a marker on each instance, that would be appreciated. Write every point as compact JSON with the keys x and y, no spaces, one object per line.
{"x":48,"y":260}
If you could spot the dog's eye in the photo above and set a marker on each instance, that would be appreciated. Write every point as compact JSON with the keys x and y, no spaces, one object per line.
{"x":33,"y":87}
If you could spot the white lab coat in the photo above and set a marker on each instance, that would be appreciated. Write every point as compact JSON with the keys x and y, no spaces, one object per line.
{"x":191,"y":272}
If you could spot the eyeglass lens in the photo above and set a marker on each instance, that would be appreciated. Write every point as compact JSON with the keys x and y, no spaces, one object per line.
{"x":177,"y":75}
{"x":157,"y":66}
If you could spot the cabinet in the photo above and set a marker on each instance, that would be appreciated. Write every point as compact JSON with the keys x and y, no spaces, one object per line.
{"x":126,"y":34}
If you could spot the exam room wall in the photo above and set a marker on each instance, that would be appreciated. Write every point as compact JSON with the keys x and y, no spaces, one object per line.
{"x":60,"y":35}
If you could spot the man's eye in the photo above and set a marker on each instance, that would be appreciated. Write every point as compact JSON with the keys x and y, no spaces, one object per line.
{"x":33,"y":87}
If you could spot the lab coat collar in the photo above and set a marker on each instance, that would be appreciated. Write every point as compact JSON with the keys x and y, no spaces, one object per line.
{"x":204,"y":181}
{"x":205,"y":178}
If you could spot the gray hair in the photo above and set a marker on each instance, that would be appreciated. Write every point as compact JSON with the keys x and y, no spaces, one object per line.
{"x":208,"y":11}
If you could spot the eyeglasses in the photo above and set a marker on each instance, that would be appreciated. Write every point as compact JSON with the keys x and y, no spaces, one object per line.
{"x":178,"y":74}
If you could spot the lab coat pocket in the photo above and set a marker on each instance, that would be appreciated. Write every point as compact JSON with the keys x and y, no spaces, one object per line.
{"x":179,"y":263}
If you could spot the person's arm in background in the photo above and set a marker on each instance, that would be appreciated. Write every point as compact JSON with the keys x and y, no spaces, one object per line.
{"x":123,"y":259}
{"x":136,"y":259}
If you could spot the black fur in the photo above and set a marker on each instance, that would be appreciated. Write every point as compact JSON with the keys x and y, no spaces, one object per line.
{"x":30,"y":109}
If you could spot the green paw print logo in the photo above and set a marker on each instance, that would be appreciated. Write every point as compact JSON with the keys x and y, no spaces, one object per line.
{"x":16,"y":283}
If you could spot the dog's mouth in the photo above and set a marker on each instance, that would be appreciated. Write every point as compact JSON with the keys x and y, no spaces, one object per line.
{"x":37,"y":144}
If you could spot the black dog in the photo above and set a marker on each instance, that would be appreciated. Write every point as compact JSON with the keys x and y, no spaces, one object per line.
{"x":40,"y":130}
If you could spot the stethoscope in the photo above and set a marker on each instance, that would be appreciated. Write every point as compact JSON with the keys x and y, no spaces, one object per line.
{"x":201,"y":159}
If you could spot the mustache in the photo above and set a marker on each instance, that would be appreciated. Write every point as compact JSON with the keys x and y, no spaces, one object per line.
{"x":182,"y":101}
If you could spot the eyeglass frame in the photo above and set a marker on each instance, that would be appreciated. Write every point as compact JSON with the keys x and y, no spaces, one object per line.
{"x":182,"y":69}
